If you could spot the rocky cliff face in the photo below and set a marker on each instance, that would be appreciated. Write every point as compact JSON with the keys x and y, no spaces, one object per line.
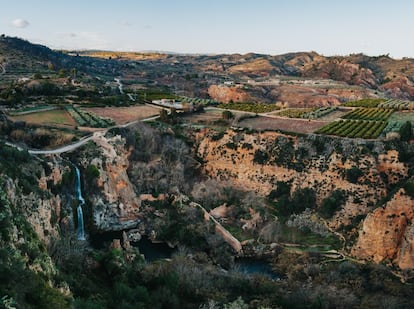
{"x":115,"y":204}
{"x":41,"y":208}
{"x":258,"y":161}
{"x":41,"y":212}
{"x":388,"y":233}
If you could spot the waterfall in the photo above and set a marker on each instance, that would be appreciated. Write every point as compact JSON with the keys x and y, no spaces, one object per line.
{"x":81,"y":229}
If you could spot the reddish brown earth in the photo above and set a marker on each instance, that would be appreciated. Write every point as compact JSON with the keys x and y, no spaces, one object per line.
{"x":284,"y":124}
{"x":388,"y":233}
{"x":226,"y":94}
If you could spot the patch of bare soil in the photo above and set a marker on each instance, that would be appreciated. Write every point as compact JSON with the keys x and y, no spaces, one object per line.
{"x":284,"y":124}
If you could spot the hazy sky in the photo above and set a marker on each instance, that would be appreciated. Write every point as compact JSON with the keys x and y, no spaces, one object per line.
{"x":329,"y":27}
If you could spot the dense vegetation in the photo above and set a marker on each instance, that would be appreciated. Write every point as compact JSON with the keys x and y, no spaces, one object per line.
{"x":319,"y":112}
{"x":249,"y":107}
{"x":88,"y":119}
{"x":294,"y":112}
{"x":397,"y":104}
{"x":354,"y":128}
{"x":364,"y":103}
{"x":376,"y":114}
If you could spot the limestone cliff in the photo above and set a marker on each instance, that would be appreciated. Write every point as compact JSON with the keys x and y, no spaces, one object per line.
{"x":115,"y":204}
{"x":258,"y":161}
{"x":388,"y":233}
{"x":40,"y":207}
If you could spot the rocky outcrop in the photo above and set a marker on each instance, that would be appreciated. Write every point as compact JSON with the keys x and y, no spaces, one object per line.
{"x":259,"y":66}
{"x":43,"y":212}
{"x":341,"y":70}
{"x":399,"y":87}
{"x":226,"y":94}
{"x":388,"y":233}
{"x":115,"y":205}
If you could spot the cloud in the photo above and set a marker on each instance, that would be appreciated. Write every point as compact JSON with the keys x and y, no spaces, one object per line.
{"x":126,"y":24}
{"x":20,"y":23}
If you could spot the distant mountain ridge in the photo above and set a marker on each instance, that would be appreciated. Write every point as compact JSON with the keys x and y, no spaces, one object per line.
{"x":395,"y":78}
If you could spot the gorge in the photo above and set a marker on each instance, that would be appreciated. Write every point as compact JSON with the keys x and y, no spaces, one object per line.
{"x":289,"y":192}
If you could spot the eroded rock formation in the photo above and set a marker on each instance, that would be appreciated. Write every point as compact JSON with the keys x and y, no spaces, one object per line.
{"x":115,"y":204}
{"x":388,"y":233}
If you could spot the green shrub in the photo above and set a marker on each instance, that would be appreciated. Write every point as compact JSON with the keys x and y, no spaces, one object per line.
{"x":227,"y":115}
{"x":92,"y":172}
{"x":406,"y":131}
{"x":353,"y":174}
{"x":260,"y":157}
{"x":302,"y":199}
{"x":409,"y":187}
{"x":282,"y":189}
{"x":217,"y":136}
{"x":331,"y":204}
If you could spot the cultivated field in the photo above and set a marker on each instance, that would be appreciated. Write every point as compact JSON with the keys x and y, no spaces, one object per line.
{"x":354,"y":128}
{"x":53,"y":117}
{"x":338,"y":113}
{"x":208,"y":116}
{"x":289,"y":125}
{"x":122,"y":115}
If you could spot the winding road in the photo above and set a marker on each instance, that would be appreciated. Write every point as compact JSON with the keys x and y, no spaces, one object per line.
{"x":71,"y":147}
{"x":118,"y":81}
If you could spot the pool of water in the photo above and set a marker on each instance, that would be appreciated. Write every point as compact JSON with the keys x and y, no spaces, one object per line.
{"x":250,"y":266}
{"x":153,"y":251}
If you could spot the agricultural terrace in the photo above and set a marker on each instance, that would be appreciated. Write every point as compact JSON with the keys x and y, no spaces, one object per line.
{"x":88,"y":119}
{"x":365,"y":123}
{"x":382,"y":103}
{"x":51,"y":117}
{"x":123,"y":115}
{"x":378,"y":114}
{"x":308,"y":113}
{"x":354,"y":128}
{"x":250,"y":107}
{"x":198,"y":101}
{"x":283,"y":124}
{"x":397,"y":104}
{"x":368,"y":103}
{"x":294,"y":112}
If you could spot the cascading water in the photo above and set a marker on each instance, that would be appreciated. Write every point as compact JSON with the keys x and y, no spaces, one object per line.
{"x":81,"y":229}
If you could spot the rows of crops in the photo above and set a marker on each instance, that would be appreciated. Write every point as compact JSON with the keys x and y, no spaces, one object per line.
{"x":88,"y":119}
{"x":378,"y":114}
{"x":397,"y":104}
{"x":198,"y":101}
{"x":294,"y":112}
{"x":250,"y":107}
{"x":369,"y":103}
{"x":318,"y":113}
{"x":354,"y":128}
